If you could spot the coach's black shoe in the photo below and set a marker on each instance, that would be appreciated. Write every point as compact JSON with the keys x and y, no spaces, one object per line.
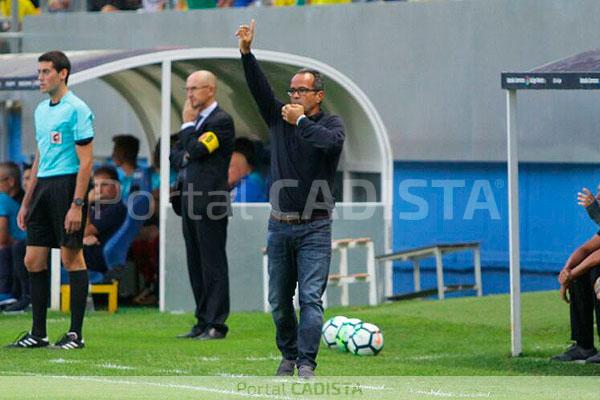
{"x":575,"y":353}
{"x":286,"y":368}
{"x":19,"y":307}
{"x":70,"y":341}
{"x":306,"y":372}
{"x":595,"y":359}
{"x":193,"y":333}
{"x":29,"y":341}
{"x":211,"y":334}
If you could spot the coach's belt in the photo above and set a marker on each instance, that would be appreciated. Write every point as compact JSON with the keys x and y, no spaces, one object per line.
{"x":296,"y":218}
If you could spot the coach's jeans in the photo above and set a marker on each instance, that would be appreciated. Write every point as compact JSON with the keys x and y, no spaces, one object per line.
{"x":298,"y":253}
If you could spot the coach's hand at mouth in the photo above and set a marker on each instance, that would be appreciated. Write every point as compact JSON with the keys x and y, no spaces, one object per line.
{"x":73,"y":219}
{"x":291,"y":113}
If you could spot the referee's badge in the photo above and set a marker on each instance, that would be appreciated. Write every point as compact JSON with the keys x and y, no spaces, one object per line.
{"x":55,"y":137}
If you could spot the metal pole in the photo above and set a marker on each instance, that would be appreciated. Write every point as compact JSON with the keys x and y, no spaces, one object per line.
{"x":513,"y":222}
{"x":477,"y":262}
{"x":15,"y":45}
{"x":439,"y":268}
{"x":165,"y":148}
{"x":14,"y":20}
{"x":417,"y":274}
{"x":55,"y":279}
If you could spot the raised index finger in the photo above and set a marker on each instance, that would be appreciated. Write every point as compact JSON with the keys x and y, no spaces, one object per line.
{"x":252,"y":25}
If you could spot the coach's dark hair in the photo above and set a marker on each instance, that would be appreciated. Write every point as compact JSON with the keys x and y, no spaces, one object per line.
{"x":12,"y":171}
{"x":107,"y":170}
{"x":247,"y":148}
{"x":128,"y":147}
{"x":319,"y":83}
{"x":59,"y":61}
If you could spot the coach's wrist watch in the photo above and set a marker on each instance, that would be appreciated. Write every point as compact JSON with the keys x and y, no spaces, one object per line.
{"x":78,"y":201}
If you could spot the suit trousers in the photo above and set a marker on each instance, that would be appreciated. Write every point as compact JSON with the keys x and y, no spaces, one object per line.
{"x":205,"y":240}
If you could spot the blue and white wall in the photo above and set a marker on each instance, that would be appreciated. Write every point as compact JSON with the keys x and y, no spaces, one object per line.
{"x":432,"y":70}
{"x":446,"y":202}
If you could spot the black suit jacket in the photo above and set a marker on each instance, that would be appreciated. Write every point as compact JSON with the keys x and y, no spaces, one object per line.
{"x":202,"y":171}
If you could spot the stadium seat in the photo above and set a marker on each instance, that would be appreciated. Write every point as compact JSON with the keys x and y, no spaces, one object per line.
{"x":111,"y":289}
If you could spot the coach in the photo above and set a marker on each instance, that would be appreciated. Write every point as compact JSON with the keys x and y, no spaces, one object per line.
{"x":306,"y":144}
{"x":202,"y":155}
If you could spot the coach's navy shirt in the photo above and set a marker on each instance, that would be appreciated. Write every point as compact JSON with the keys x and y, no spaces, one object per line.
{"x":304,"y":158}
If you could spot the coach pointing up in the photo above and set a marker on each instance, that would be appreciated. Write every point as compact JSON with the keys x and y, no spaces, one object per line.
{"x":306,"y":144}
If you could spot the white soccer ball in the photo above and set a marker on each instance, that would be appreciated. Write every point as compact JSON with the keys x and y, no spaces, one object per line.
{"x":330,"y":330}
{"x":346,"y":330}
{"x":366,"y":340}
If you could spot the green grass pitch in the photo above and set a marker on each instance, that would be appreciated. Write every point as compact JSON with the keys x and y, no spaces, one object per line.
{"x":452,"y":338}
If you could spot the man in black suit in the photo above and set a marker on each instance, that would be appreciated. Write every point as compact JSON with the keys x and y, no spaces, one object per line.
{"x":202,"y":155}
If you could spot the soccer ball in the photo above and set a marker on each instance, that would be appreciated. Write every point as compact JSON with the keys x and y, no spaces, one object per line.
{"x":366,"y":340}
{"x":346,"y":330}
{"x":330,"y":330}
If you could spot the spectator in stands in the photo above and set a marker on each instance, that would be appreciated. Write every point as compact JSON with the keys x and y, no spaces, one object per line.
{"x":58,"y":5}
{"x":247,"y":185}
{"x":114,"y":5}
{"x":579,"y":279}
{"x":26,"y":8}
{"x":20,"y":275}
{"x":26,"y":176}
{"x":145,"y":248}
{"x":11,"y":195}
{"x":125,"y":153}
{"x":153,"y":5}
{"x":201,"y":4}
{"x":107,"y":214}
{"x":243,"y":3}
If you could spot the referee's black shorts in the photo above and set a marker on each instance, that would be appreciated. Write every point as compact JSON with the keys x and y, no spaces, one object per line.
{"x":51,"y":200}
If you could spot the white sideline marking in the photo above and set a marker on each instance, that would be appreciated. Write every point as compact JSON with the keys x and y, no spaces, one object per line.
{"x":374,"y":387}
{"x":62,"y":361}
{"x":18,"y":373}
{"x":173,"y":371}
{"x":439,"y":393}
{"x":269,"y":358}
{"x":428,"y":357}
{"x":115,"y":366}
{"x":209,"y":359}
{"x":171,"y":386}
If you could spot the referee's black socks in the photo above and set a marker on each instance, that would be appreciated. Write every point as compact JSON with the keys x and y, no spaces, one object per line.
{"x":79,"y":293}
{"x":39,"y":291}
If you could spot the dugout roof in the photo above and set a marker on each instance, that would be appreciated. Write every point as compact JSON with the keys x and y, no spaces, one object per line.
{"x":152,"y":81}
{"x":136,"y":75}
{"x":581,"y":71}
{"x":577,"y":72}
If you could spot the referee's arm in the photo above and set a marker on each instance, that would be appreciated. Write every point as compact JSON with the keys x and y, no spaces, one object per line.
{"x":85,"y":154}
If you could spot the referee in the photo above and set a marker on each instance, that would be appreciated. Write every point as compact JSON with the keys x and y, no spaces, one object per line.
{"x":54,"y":208}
